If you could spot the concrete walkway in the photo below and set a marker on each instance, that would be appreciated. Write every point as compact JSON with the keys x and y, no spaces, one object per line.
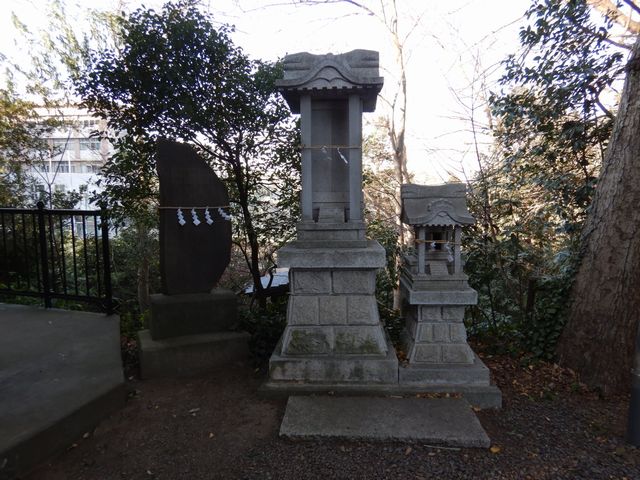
{"x":60,"y":374}
{"x":438,"y":421}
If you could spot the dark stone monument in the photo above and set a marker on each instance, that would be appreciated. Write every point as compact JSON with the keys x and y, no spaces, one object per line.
{"x":192,"y":257}
{"x":189,"y":327}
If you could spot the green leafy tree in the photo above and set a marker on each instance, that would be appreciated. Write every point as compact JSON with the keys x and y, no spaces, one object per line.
{"x":176,"y":76}
{"x":21,"y":147}
{"x":532,"y":195}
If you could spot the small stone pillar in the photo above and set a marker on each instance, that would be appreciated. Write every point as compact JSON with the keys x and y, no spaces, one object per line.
{"x":333,"y":334}
{"x":435,"y":293}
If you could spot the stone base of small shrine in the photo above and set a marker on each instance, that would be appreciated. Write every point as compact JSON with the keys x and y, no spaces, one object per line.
{"x":192,"y":313}
{"x":333,"y":333}
{"x":435,"y":341}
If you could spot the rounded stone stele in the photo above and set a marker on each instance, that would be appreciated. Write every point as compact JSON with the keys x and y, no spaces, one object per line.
{"x":192,"y":257}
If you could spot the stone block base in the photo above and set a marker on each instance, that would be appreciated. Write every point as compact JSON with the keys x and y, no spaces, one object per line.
{"x":193,"y":313}
{"x":190,"y":355}
{"x":333,"y":369}
{"x":475,"y":373}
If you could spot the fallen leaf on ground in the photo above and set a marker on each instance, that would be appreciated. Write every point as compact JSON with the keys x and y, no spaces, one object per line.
{"x":495,"y":449}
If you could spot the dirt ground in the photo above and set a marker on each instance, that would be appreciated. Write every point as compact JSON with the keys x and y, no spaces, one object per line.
{"x":217,"y":427}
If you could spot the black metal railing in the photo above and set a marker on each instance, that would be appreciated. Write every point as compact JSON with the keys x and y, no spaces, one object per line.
{"x":56,"y":254}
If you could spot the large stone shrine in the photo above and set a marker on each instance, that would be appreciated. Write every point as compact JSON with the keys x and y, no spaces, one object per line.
{"x":333,"y":335}
{"x":435,"y":293}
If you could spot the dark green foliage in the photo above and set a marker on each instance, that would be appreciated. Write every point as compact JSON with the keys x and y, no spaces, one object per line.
{"x":21,"y":146}
{"x":129,"y":249}
{"x":387,"y":278}
{"x":265,"y":327}
{"x":176,"y":76}
{"x":531,"y":197}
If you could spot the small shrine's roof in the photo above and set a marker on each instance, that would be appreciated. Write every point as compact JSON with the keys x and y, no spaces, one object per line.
{"x":331,"y":76}
{"x":435,"y":205}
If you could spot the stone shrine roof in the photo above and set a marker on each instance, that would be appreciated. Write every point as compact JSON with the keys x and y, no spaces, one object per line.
{"x":331,"y":76}
{"x":435,"y":205}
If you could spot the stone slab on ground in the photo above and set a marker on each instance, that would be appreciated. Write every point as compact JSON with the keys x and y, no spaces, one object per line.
{"x":190,"y":355}
{"x":439,"y":421}
{"x":478,"y":396}
{"x":60,"y":374}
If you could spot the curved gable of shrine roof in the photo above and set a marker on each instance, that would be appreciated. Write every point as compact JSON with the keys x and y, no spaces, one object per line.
{"x":329,"y":74}
{"x":439,"y":219}
{"x":440,"y":212}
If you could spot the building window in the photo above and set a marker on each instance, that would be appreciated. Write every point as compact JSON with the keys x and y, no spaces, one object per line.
{"x":89,"y":123}
{"x":62,"y":168}
{"x":59,"y":188}
{"x":90,"y":144}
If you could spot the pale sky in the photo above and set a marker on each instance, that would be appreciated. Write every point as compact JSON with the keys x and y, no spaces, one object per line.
{"x":454,"y":49}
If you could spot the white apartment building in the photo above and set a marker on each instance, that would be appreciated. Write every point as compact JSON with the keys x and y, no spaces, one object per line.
{"x":76,"y":153}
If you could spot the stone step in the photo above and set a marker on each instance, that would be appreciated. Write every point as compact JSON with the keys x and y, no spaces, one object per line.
{"x":440,"y":421}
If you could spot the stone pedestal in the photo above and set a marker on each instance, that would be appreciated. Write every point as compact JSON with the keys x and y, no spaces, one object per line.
{"x":435,"y":339}
{"x":189,"y":334}
{"x":190,"y":355}
{"x":333,"y":334}
{"x":192,"y":313}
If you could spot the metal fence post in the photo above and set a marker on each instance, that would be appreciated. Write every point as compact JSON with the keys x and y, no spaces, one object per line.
{"x":42,"y":236}
{"x":106,"y":262}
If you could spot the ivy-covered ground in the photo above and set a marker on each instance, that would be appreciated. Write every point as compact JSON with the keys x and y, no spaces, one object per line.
{"x":551,"y":427}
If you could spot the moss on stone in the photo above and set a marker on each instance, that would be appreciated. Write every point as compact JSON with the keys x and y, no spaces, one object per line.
{"x":304,"y":341}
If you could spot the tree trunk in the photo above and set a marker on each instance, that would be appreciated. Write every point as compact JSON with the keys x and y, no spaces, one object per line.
{"x":598,"y":340}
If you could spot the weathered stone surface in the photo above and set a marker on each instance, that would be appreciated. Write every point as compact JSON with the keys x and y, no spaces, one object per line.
{"x":452,"y":297}
{"x":190,"y":355}
{"x":307,"y":340}
{"x":422,"y":332}
{"x":435,"y":421}
{"x":453,"y":314}
{"x":310,"y":281}
{"x":333,"y":309}
{"x":192,"y":313}
{"x":430,"y":314}
{"x":331,"y":76}
{"x":426,"y":352}
{"x":354,"y":281}
{"x":192,"y":258}
{"x":362,"y":310}
{"x":361,"y":340}
{"x":428,"y":374}
{"x":332,"y":370}
{"x":440,"y":332}
{"x":372,"y":256}
{"x":435,"y":205}
{"x":457,"y":332}
{"x":457,"y":353}
{"x":303,"y":310}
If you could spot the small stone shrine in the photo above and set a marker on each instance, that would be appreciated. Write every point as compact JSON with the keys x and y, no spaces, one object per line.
{"x":190,"y":320}
{"x":435,"y":293}
{"x":333,"y":334}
